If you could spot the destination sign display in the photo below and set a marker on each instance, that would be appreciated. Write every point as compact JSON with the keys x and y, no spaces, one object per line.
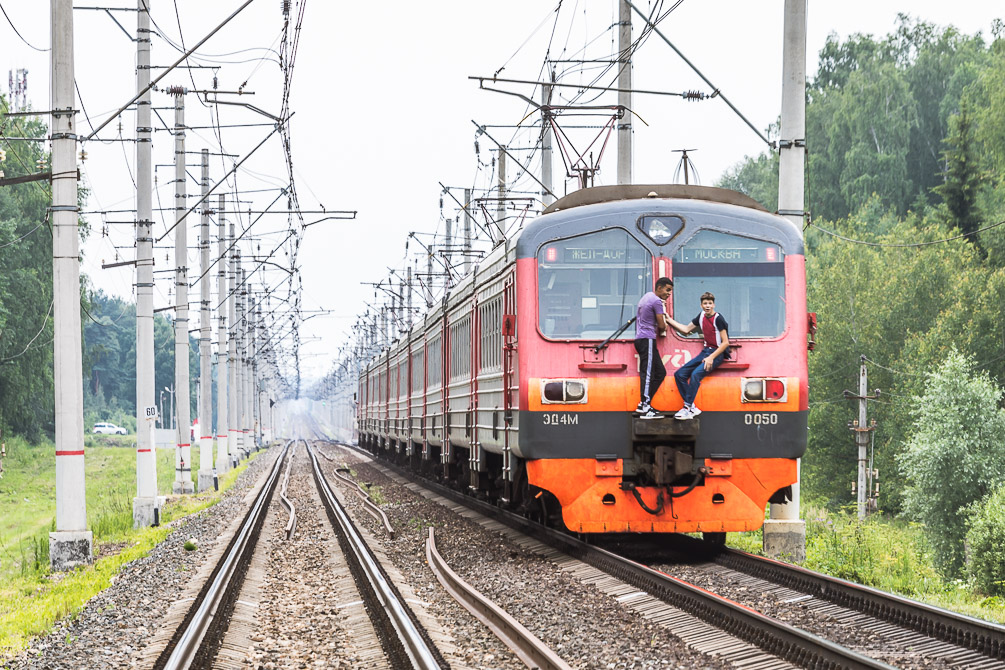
{"x":758,"y":254}
{"x":594,"y":255}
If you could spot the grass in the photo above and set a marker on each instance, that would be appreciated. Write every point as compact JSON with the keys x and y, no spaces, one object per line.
{"x":32,"y":600}
{"x":883,"y":552}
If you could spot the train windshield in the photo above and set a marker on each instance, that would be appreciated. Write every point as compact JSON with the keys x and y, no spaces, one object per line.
{"x":588,"y":286}
{"x":746,"y":276}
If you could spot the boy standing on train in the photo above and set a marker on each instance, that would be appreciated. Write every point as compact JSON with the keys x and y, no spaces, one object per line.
{"x":716,"y":338}
{"x":650,"y":318}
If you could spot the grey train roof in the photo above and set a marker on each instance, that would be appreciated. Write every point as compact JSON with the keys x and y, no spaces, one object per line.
{"x":603,"y":207}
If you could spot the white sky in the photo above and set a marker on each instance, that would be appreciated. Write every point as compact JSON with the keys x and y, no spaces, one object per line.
{"x":384,"y":108}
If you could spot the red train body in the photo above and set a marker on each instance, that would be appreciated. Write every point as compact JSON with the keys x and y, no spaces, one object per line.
{"x":507,"y":386}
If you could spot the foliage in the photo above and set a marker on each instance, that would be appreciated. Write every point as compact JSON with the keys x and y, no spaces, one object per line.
{"x":110,"y":361}
{"x":25,"y":287}
{"x":954,"y":458}
{"x":878,"y":114}
{"x":963,"y":174}
{"x":986,"y":545}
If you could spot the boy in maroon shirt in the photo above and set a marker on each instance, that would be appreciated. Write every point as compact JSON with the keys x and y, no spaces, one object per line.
{"x":716,"y":338}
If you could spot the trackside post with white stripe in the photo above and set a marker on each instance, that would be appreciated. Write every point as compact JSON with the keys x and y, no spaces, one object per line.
{"x":784,"y":531}
{"x":71,"y":544}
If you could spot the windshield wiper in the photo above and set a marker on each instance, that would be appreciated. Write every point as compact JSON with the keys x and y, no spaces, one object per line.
{"x":603,"y":345}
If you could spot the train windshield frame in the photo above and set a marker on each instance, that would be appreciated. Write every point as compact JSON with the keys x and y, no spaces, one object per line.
{"x":746,"y":275}
{"x":588,"y":285}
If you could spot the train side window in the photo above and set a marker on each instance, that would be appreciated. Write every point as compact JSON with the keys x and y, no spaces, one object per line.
{"x":747,"y":277}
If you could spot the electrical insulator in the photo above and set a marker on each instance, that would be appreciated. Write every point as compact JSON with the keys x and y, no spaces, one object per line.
{"x":3,"y":155}
{"x":83,"y":155}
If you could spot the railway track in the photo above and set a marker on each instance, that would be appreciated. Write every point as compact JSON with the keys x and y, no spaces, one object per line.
{"x":952,"y":641}
{"x":903,"y":631}
{"x":313,"y":589}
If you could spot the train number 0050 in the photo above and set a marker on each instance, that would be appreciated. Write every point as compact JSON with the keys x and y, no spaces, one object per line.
{"x":760,"y":419}
{"x":553,"y":419}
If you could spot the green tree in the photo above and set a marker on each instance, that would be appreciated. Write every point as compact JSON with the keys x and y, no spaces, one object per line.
{"x":756,"y":177}
{"x":963,"y":174}
{"x":26,"y":390}
{"x":986,"y":545}
{"x":954,"y":458}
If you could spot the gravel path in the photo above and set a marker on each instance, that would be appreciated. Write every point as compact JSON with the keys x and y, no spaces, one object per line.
{"x":115,"y":626}
{"x":584,"y":626}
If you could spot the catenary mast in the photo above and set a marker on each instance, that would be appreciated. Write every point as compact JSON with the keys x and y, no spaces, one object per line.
{"x":72,"y":543}
{"x":146,"y":503}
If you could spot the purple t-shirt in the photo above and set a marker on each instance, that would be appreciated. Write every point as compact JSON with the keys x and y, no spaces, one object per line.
{"x":645,"y":316}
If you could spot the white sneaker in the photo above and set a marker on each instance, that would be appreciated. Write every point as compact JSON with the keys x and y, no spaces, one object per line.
{"x":651,"y":414}
{"x":684,"y":413}
{"x":641,"y":408}
{"x":694,"y":411}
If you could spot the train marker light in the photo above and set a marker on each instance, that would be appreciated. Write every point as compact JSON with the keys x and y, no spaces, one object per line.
{"x":763,"y":390}
{"x":563,"y":391}
{"x":551,"y":254}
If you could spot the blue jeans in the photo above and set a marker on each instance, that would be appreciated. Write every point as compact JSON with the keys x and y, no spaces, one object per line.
{"x":689,"y":375}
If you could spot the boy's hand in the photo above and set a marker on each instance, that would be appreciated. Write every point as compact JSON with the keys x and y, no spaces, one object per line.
{"x":708,"y":364}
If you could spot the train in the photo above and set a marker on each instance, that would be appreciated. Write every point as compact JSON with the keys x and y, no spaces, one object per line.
{"x":519,"y":385}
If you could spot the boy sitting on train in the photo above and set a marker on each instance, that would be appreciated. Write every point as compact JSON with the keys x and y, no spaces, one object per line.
{"x":716,"y":339}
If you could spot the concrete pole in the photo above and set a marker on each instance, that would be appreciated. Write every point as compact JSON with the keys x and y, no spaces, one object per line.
{"x":501,"y":207}
{"x":862,"y":437}
{"x":252,"y":382}
{"x":547,"y":164}
{"x":146,"y":504}
{"x":448,"y":250}
{"x":206,"y":474}
{"x":784,"y":531}
{"x":246,"y":366}
{"x":233,"y":385}
{"x":222,"y":345}
{"x":408,"y":296}
{"x":71,"y":544}
{"x":624,"y":97}
{"x":467,"y":231}
{"x":183,"y":438}
{"x":429,"y":278}
{"x":242,"y":447}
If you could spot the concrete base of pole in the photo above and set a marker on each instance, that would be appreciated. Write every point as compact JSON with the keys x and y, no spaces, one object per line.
{"x":145,"y":511}
{"x":70,"y":548}
{"x":785,"y":539}
{"x":182,"y":487}
{"x":205,"y":480}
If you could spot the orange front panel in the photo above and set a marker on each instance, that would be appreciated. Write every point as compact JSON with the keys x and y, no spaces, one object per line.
{"x":744,"y":493}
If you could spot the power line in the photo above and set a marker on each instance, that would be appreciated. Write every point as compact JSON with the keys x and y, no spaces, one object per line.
{"x":17,"y":32}
{"x":909,"y":245}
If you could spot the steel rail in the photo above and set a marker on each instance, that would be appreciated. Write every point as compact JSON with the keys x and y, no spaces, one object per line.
{"x":371,"y":507}
{"x":408,"y":640}
{"x":771,"y":635}
{"x":184,"y":650}
{"x":527,"y":646}
{"x":291,"y":525}
{"x":964,"y":631}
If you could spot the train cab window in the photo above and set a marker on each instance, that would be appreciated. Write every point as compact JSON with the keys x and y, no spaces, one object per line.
{"x":588,"y":285}
{"x":746,"y":276}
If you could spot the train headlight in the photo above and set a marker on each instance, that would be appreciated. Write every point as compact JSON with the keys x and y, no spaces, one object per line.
{"x":563,"y":391}
{"x":575,"y":390}
{"x":763,"y":390}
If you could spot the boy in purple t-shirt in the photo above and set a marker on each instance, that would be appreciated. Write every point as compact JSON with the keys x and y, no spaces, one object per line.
{"x":650,"y":319}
